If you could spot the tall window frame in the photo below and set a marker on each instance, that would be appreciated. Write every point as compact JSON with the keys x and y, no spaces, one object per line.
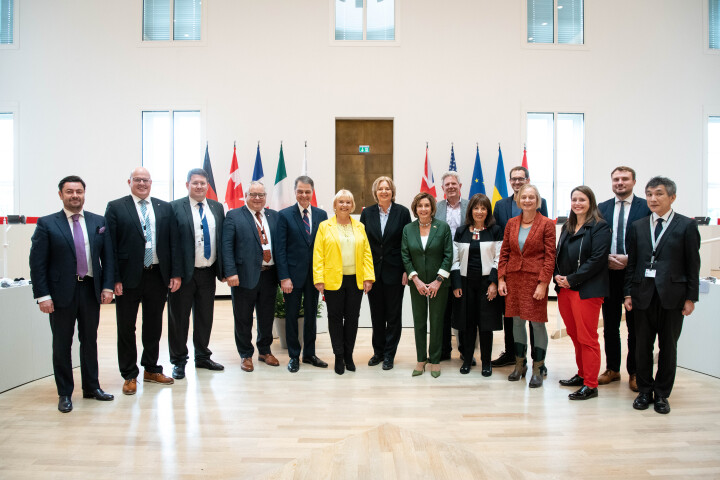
{"x":711,"y":26}
{"x":15,"y":5}
{"x":364,"y":42}
{"x":171,"y":42}
{"x":13,"y":161}
{"x":711,"y":164}
{"x":556,"y":44}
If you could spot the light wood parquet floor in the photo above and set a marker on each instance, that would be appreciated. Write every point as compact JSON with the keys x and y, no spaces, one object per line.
{"x":369,"y":424}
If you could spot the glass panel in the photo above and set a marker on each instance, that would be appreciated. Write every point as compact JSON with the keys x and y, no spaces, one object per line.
{"x":570,"y":157}
{"x":156,"y":155}
{"x":7,"y":164}
{"x":714,"y":20}
{"x":713,"y":168}
{"x":187,"y":20}
{"x":570,"y":21}
{"x":7,"y":15}
{"x":540,"y":20}
{"x":540,"y":154}
{"x":381,"y":19}
{"x":156,"y":20}
{"x":348,"y":19}
{"x":188,"y":149}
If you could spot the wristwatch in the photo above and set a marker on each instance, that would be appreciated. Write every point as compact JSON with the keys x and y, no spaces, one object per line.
{"x":440,"y":278}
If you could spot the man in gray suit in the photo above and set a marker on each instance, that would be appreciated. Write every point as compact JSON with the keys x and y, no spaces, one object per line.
{"x":451,"y":210}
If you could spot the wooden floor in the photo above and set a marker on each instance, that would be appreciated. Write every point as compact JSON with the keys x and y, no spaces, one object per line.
{"x":370,"y":424}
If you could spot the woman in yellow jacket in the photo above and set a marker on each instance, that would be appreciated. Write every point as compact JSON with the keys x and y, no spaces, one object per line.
{"x":342,"y":271}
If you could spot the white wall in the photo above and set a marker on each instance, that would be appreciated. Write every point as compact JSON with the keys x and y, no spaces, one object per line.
{"x":460,"y":73}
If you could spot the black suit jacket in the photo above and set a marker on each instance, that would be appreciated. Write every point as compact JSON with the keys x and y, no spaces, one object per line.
{"x":385,"y":247}
{"x":186,"y":236}
{"x":128,"y":240}
{"x":591,"y":246}
{"x":677,"y":264}
{"x":53,"y":264}
{"x":293,"y":246}
{"x":242,"y":247}
{"x":503,"y":210}
{"x":638,"y":210}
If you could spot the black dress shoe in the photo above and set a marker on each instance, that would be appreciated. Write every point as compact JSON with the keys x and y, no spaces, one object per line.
{"x":388,"y":364}
{"x":339,"y":364}
{"x":486,"y":369}
{"x":473,"y":363}
{"x":576,"y":381}
{"x":350,"y":365}
{"x":65,"y":404}
{"x":374,"y":360}
{"x":465,"y":369}
{"x":178,"y":372}
{"x":293,"y":365}
{"x":209,"y":364}
{"x":584,"y":393}
{"x":662,"y":405}
{"x":315,"y":361}
{"x":643,"y":401}
{"x":98,"y":395}
{"x":505,"y":359}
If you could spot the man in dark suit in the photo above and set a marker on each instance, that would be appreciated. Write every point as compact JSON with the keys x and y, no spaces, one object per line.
{"x":199,"y":221}
{"x":619,"y":212}
{"x":147,"y":262}
{"x":661,"y":286}
{"x":296,"y":229}
{"x":71,"y":268}
{"x":249,"y":265}
{"x":503,"y":211}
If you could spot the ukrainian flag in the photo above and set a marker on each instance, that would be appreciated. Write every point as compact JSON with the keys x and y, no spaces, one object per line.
{"x":500,"y":189}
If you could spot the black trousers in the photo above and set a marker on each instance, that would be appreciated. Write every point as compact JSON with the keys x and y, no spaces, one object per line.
{"x":474,"y":294}
{"x":667,"y":326}
{"x":261,"y":298}
{"x":85,"y":308}
{"x":197,"y":296}
{"x":152,"y":293}
{"x":612,"y":310}
{"x":308,"y":295}
{"x":343,"y":307}
{"x":386,"y":314}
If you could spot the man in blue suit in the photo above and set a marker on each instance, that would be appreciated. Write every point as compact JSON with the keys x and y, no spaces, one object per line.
{"x":71,"y":268}
{"x":248,"y":254}
{"x":620,"y":212}
{"x":297,"y":227}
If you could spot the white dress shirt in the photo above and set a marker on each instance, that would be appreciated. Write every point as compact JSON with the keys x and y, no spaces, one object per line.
{"x":200,"y":260}
{"x":266,"y":228}
{"x":616,"y":213}
{"x":151,"y":216}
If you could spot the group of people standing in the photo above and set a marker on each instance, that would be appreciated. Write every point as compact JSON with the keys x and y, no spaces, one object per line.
{"x":467,"y":266}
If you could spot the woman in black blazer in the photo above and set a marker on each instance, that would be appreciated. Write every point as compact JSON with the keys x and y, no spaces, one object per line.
{"x":384,"y":223}
{"x":582,"y":282}
{"x":474,"y":277}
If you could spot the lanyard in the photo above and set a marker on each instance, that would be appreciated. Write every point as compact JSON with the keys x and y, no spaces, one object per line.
{"x":655,"y":241}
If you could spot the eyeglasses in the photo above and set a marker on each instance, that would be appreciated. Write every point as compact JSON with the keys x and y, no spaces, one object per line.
{"x":517,"y":179}
{"x":141,"y":180}
{"x":256,"y":195}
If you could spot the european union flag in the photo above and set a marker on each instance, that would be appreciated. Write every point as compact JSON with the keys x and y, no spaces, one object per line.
{"x":478,"y":183}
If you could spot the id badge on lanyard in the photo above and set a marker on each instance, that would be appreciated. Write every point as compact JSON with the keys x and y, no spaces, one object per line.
{"x":650,"y":272}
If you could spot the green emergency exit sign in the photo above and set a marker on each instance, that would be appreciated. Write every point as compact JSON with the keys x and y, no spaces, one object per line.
{"x":364,"y":148}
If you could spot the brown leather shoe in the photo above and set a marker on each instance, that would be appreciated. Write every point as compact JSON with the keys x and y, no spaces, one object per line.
{"x":269,"y":359}
{"x":130,"y":387}
{"x":633,"y":382}
{"x":608,"y":376}
{"x":247,"y":365}
{"x":157,"y":378}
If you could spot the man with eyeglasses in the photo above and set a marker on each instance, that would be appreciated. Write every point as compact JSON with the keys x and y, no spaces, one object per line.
{"x":200,"y":221}
{"x":147,"y":263}
{"x":503,"y":211}
{"x":248,"y":257}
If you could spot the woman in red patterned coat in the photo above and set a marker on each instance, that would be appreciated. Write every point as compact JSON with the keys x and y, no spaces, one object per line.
{"x":527,"y":261}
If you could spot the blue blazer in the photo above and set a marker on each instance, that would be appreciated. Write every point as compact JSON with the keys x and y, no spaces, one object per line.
{"x":503,"y":210}
{"x":242,"y":251}
{"x":293,"y":246}
{"x":638,"y":210}
{"x":53,"y":264}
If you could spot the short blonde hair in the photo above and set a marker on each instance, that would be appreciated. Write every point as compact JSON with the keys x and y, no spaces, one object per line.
{"x":526,"y":187}
{"x":344,"y":193}
{"x":376,"y":185}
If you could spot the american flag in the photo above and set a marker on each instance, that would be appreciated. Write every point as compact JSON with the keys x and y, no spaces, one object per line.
{"x":453,"y":165}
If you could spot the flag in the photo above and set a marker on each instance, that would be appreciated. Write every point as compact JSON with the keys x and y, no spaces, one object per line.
{"x":500,"y":190}
{"x":304,"y":171}
{"x":524,"y":162}
{"x":428,"y":181}
{"x":258,"y":175}
{"x":212,"y":191}
{"x":234,"y":197}
{"x":478,"y":183}
{"x":282,"y":191}
{"x":453,"y":165}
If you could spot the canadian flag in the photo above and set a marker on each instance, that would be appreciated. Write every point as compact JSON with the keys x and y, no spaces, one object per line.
{"x":428,"y":181}
{"x":234,"y":197}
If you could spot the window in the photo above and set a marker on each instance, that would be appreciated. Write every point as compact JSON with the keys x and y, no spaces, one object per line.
{"x":544,"y":15}
{"x":365,"y":20}
{"x":171,"y":146}
{"x":714,"y":24}
{"x":7,"y":22}
{"x":185,"y":24}
{"x":556,"y":157}
{"x":713,"y":163}
{"x":7,"y":164}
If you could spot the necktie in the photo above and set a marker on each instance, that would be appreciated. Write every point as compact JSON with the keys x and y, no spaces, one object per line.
{"x":620,"y":243}
{"x":658,"y":228}
{"x":263,"y":238}
{"x":206,"y":232}
{"x":148,"y":233}
{"x":306,"y":221}
{"x":79,"y":240}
